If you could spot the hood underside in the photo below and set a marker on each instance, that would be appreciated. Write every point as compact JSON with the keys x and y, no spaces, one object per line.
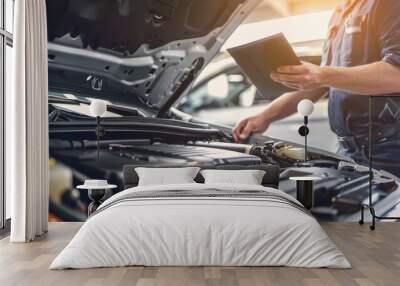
{"x":143,"y":53}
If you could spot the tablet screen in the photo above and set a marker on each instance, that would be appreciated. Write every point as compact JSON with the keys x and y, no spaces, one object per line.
{"x":258,"y":59}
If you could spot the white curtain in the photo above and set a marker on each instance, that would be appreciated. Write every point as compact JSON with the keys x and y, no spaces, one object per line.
{"x":27,"y":124}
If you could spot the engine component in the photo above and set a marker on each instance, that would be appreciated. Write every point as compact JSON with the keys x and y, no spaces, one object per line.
{"x":291,"y":153}
{"x":199,"y":154}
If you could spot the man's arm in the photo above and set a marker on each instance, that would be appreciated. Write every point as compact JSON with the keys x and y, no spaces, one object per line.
{"x":371,"y":79}
{"x":281,"y":107}
{"x":286,"y":104}
{"x":377,"y":78}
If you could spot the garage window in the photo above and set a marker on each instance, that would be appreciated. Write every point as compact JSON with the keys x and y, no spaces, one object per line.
{"x":6,"y":44}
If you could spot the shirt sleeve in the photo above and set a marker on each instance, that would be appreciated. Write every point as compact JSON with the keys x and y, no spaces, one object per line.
{"x":387,"y":26}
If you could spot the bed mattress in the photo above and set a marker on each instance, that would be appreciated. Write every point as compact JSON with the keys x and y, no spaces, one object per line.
{"x":201,"y":225}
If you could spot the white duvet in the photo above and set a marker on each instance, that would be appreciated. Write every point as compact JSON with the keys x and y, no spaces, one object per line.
{"x":206,"y":231}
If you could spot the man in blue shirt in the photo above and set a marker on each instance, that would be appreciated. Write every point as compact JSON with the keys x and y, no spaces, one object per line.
{"x":361,"y":58}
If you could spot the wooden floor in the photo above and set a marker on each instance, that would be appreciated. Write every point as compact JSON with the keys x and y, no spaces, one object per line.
{"x":375,"y":257}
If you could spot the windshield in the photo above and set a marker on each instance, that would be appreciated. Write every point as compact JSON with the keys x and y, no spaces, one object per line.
{"x":224,"y":85}
{"x":80,"y":105}
{"x":229,"y":88}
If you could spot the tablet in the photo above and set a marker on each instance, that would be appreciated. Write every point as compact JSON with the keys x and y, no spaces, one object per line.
{"x":258,"y":59}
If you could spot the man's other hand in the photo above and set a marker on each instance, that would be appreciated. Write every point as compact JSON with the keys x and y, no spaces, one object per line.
{"x":247,"y":127}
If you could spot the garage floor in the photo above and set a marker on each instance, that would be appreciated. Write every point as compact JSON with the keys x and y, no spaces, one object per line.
{"x":375,"y":257}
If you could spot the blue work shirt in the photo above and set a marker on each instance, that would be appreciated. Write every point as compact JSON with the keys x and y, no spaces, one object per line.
{"x":361,"y":33}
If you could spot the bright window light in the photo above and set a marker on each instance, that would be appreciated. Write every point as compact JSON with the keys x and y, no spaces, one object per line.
{"x":297,"y":29}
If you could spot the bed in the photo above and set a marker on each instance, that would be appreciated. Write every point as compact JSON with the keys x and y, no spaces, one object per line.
{"x":201,"y":224}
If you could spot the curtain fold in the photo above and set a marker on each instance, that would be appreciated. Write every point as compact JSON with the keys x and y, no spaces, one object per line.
{"x":27,"y":124}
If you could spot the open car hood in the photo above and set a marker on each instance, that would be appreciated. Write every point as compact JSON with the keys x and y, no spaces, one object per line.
{"x":142,"y":53}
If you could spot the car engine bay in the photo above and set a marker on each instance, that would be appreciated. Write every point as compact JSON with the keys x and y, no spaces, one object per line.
{"x":343,"y":187}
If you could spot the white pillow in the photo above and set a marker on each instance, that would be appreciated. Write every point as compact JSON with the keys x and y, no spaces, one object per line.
{"x":166,"y":176}
{"x":247,"y":177}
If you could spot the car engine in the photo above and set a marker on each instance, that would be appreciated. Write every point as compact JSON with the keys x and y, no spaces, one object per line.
{"x":339,"y":194}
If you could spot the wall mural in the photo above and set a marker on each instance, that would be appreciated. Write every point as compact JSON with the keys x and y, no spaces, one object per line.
{"x":174,"y":70}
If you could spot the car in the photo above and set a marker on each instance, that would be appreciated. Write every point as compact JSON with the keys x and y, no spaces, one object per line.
{"x":142,"y":59}
{"x":223,"y":94}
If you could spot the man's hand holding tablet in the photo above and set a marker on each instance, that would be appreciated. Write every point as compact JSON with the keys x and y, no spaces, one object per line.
{"x":305,"y":76}
{"x":261,"y":58}
{"x":273,"y":59}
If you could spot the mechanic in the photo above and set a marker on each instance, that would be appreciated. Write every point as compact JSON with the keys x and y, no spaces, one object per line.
{"x":361,"y":58}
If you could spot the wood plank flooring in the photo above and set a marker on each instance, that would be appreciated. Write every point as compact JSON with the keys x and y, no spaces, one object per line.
{"x":375,"y":257}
